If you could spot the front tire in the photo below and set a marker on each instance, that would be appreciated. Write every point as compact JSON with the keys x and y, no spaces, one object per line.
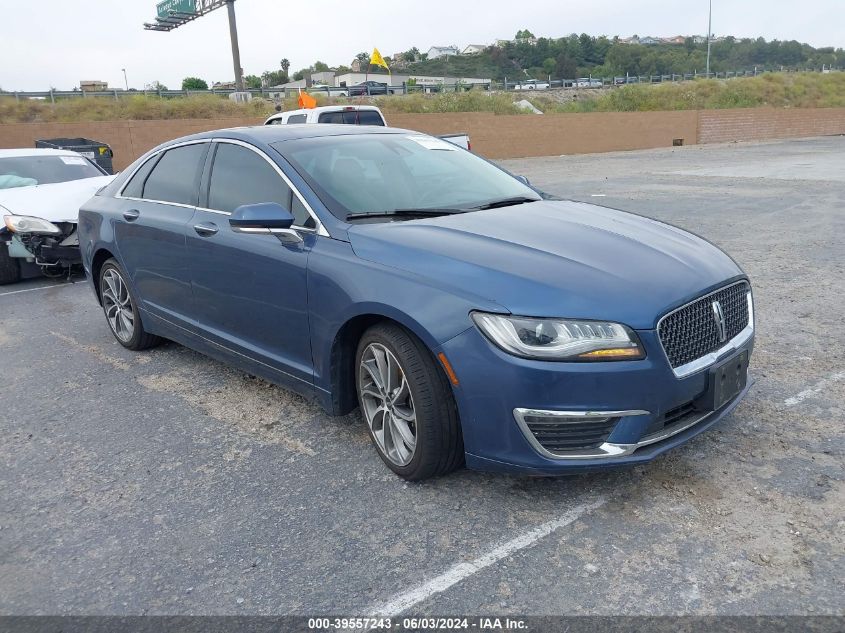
{"x":121,"y":309}
{"x":10,"y":270}
{"x":407,"y":403}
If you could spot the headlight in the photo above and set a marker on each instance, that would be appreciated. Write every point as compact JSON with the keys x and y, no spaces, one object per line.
{"x":27,"y":224}
{"x":560,"y":339}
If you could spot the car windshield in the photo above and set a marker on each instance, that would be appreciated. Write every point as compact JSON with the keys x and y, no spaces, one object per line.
{"x":380,"y":173}
{"x":27,"y":171}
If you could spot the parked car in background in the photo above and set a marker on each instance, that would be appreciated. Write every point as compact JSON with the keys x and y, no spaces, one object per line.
{"x":532,"y":84}
{"x":345,"y":114}
{"x":369,"y":88}
{"x":350,"y":115}
{"x":471,"y":318}
{"x":586,"y":82}
{"x":41,"y":191}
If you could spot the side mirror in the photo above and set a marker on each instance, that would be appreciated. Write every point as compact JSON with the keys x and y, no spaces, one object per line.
{"x":264,"y":218}
{"x":524,"y":180}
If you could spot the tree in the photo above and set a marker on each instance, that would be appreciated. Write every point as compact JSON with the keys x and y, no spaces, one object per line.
{"x":320,"y":67}
{"x":193,"y":83}
{"x":524,"y":34}
{"x":253,"y":82}
{"x":565,"y":67}
{"x":274,"y":77}
{"x":285,"y":64}
{"x":364,"y":58}
{"x":299,"y":75}
{"x":157,"y":85}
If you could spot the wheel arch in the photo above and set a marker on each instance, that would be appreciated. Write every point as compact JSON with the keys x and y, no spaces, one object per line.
{"x":100,"y":257}
{"x":344,"y":397}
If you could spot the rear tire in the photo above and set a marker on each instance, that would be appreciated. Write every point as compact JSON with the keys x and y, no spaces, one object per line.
{"x":415,"y":403}
{"x":10,"y":270}
{"x":121,"y":309}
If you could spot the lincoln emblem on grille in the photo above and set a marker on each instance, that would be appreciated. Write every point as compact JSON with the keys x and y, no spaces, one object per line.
{"x":719,"y":315}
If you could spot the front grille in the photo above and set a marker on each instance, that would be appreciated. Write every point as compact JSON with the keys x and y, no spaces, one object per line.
{"x":692,"y":331}
{"x":559,"y":436}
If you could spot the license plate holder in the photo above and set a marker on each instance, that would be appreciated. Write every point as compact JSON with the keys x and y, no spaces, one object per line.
{"x":725,"y":381}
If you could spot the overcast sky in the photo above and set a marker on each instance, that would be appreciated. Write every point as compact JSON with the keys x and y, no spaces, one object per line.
{"x":59,"y":42}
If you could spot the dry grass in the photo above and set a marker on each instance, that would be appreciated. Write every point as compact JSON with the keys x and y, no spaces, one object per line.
{"x":777,"y":90}
{"x":799,"y":90}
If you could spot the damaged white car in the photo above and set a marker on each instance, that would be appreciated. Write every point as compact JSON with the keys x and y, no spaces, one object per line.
{"x":41,"y":191}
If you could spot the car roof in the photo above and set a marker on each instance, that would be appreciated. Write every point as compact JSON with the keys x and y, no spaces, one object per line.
{"x":31,"y":151}
{"x":268,"y":134}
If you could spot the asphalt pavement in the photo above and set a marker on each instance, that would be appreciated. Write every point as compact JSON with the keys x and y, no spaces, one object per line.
{"x":164,"y":482}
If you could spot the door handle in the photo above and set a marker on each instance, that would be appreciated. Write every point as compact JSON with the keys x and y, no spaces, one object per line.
{"x":206,"y":229}
{"x":131,"y":215}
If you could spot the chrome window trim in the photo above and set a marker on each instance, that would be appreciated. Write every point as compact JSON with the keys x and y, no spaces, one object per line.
{"x":120,"y":195}
{"x":707,"y":360}
{"x":318,"y":230}
{"x":607,"y":449}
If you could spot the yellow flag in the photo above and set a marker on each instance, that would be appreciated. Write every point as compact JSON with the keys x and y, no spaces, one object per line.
{"x":377,"y":60}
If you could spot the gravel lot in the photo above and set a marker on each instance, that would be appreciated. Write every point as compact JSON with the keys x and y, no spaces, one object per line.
{"x":165,"y":483}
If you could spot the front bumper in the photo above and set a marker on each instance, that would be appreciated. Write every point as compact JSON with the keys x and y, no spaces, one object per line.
{"x":48,"y":250}
{"x":496,"y":388}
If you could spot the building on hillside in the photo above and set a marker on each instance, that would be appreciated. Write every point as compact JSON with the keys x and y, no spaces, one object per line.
{"x":324,"y":77}
{"x":472,"y":49}
{"x":501,"y":43}
{"x":648,"y":40}
{"x":93,"y":86}
{"x":678,"y":39}
{"x":526,"y":40}
{"x":699,"y":39}
{"x":442,"y":51}
{"x":629,"y":40}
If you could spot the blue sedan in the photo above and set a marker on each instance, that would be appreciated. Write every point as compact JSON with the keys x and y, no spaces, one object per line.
{"x":473,"y":319}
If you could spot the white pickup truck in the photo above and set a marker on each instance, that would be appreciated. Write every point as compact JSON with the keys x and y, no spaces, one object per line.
{"x":350,"y":115}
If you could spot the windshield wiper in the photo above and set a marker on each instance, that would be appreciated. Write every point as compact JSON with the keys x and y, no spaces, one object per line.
{"x":506,"y":202}
{"x":420,"y":213}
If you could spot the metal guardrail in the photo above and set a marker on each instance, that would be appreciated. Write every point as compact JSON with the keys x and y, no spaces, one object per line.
{"x":403,"y":89}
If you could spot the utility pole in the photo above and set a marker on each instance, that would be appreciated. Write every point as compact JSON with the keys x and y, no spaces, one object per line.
{"x":236,"y":52}
{"x":125,"y":79}
{"x":709,"y":35}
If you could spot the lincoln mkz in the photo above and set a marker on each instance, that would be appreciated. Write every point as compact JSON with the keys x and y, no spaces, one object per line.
{"x":473,"y":319}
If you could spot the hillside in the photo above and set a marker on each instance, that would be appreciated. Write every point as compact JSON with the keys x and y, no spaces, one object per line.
{"x":582,"y":55}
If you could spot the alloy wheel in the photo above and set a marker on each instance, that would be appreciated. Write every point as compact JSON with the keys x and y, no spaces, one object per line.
{"x":387,"y":404}
{"x":117,"y":304}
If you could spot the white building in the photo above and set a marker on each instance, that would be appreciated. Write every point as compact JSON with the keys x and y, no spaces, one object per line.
{"x":442,"y":51}
{"x":472,"y":49}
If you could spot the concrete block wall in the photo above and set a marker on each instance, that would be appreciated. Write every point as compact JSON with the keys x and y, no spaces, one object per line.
{"x":493,"y":136}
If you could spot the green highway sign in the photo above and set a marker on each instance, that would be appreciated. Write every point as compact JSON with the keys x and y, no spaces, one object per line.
{"x":183,"y":6}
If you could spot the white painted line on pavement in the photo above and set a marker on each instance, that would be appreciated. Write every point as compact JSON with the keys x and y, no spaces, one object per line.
{"x":817,"y":388}
{"x":404,"y":601}
{"x":15,"y":292}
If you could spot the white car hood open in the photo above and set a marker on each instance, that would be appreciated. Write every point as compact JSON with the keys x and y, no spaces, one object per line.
{"x":58,"y":202}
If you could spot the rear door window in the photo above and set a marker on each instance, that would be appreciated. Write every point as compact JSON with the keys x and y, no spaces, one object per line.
{"x":297,"y":118}
{"x":135,"y":187}
{"x":175,"y":178}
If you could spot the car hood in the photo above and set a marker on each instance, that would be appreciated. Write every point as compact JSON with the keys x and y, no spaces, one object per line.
{"x":58,"y":202}
{"x":550,"y":258}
